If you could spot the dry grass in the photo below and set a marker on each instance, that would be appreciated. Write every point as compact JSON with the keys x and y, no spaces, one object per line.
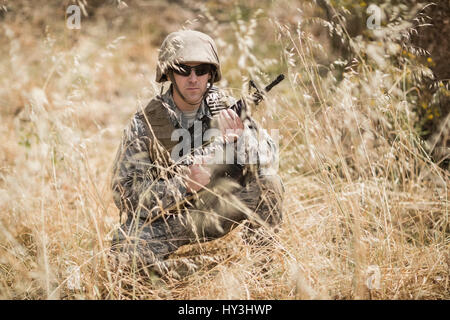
{"x":363,"y":198}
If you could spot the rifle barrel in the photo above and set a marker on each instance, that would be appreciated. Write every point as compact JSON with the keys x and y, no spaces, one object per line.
{"x":274,"y":82}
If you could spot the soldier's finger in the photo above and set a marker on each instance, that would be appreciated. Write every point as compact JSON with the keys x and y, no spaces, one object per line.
{"x":235,"y":116}
{"x":222,"y":121}
{"x":236,"y":120}
{"x":232,"y":114}
{"x":238,"y":123}
{"x":228,"y":116}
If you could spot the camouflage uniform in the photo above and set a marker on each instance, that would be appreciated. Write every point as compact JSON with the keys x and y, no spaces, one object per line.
{"x":148,"y":183}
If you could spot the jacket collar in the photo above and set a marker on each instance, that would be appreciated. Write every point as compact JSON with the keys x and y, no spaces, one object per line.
{"x":175,"y":113}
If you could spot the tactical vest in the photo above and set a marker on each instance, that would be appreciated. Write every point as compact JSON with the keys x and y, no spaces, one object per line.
{"x":161,"y":127}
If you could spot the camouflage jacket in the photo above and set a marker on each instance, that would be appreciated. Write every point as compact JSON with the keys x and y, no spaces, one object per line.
{"x":143,"y":182}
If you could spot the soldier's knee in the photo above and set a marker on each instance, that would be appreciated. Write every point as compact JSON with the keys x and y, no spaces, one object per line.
{"x":273,"y":183}
{"x":270,"y":208}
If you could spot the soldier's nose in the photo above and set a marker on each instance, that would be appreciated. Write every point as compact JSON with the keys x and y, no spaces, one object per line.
{"x":192,"y":76}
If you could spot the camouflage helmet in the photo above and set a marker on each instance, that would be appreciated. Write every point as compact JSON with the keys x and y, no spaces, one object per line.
{"x":187,"y":46}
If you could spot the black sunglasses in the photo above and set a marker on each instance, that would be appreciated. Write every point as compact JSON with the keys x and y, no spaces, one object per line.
{"x":185,"y":71}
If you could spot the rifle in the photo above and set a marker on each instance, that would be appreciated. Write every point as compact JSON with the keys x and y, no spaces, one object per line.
{"x":256,"y":97}
{"x":238,"y":107}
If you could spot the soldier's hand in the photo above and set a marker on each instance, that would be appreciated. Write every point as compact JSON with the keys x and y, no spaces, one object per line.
{"x":199,"y":176}
{"x":230,"y":124}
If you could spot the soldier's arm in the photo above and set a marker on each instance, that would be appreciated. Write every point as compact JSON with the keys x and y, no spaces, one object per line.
{"x":140,"y":183}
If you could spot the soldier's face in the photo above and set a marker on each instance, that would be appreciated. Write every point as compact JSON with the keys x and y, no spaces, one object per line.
{"x":192,"y":87}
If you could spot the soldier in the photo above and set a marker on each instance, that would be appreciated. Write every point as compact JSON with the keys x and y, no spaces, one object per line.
{"x":170,"y":191}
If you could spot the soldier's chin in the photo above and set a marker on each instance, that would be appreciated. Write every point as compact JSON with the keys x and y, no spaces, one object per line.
{"x":194,"y":99}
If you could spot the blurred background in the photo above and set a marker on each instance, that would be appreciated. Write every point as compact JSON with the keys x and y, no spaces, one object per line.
{"x":363,"y":121}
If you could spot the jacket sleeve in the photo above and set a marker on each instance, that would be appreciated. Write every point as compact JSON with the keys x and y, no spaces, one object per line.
{"x":142,"y":184}
{"x":256,"y":147}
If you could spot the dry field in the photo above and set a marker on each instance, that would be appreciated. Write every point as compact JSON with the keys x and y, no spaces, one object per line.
{"x":366,"y":214}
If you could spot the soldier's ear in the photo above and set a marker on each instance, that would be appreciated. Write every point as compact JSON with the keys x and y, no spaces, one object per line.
{"x":171,"y":77}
